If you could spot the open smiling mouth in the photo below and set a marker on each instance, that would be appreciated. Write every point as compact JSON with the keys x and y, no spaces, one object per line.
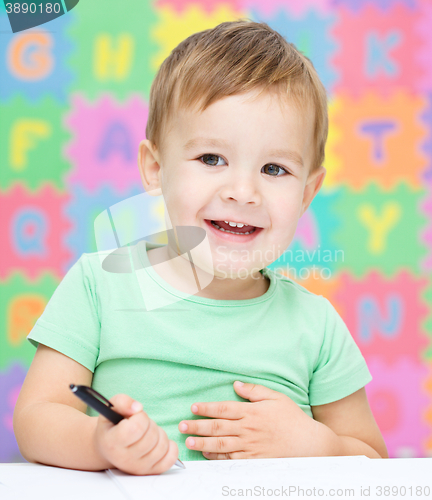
{"x":223,"y":226}
{"x":225,"y":231}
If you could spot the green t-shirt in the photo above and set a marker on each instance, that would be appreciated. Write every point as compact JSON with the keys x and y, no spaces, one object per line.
{"x":194,"y":349}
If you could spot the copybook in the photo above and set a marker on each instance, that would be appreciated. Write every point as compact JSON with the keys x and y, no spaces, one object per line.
{"x":355,"y":477}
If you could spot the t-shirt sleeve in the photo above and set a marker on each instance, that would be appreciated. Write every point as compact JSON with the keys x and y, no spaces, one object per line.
{"x":341,"y":368}
{"x":70,"y":322}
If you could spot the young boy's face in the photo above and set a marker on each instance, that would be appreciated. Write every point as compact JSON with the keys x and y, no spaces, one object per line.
{"x":227,"y":164}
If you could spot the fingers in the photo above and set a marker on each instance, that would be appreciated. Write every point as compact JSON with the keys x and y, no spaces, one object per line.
{"x":167,"y":461}
{"x":210,"y":427}
{"x":136,"y":445}
{"x":221,"y":409}
{"x":151,"y":452}
{"x":226,"y":444}
{"x":158,"y":459}
{"x":133,"y":429}
{"x":133,"y":426}
{"x":237,"y":455}
{"x":125,"y":405}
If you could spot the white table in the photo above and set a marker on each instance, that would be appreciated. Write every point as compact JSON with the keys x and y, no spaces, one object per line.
{"x":342,"y":477}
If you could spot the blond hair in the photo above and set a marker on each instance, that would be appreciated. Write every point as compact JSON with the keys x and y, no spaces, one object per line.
{"x":233,"y":58}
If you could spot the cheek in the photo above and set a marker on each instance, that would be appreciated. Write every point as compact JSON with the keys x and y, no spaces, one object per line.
{"x":178,"y":185}
{"x":183,"y":196}
{"x":284,"y":220}
{"x":285,"y":209}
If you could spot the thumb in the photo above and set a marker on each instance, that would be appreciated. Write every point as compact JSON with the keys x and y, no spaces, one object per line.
{"x":125,"y":405}
{"x":254,"y":392}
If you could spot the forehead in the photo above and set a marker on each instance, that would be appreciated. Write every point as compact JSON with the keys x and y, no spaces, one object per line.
{"x":283,"y":107}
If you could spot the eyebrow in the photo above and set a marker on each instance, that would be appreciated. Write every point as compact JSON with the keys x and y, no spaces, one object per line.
{"x":218,"y":143}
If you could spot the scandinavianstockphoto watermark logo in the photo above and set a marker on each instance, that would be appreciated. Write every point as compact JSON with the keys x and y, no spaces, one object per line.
{"x":24,"y":15}
{"x":123,"y":232}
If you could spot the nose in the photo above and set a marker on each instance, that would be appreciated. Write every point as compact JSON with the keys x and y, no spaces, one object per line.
{"x":241,"y":186}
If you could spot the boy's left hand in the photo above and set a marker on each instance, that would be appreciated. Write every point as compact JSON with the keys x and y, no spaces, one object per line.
{"x":272,"y":426}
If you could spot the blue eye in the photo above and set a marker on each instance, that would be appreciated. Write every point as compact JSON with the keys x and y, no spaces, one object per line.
{"x":213,"y":159}
{"x":280,"y":169}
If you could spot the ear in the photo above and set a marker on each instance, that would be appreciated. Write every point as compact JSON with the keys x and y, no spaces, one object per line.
{"x":149,"y":167}
{"x":313,"y":185}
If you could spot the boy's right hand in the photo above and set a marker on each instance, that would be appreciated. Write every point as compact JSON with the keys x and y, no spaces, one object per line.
{"x":136,"y":445}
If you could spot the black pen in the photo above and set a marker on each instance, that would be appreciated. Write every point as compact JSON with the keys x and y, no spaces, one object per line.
{"x":93,"y":399}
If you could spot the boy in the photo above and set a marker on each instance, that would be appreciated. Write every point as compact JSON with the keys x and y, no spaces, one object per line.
{"x":235,"y":143}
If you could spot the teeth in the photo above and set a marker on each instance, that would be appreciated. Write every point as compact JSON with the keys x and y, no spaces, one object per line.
{"x":234,"y":224}
{"x":227,"y":231}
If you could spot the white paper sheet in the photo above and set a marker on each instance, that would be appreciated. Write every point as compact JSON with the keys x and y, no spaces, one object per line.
{"x":350,"y":477}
